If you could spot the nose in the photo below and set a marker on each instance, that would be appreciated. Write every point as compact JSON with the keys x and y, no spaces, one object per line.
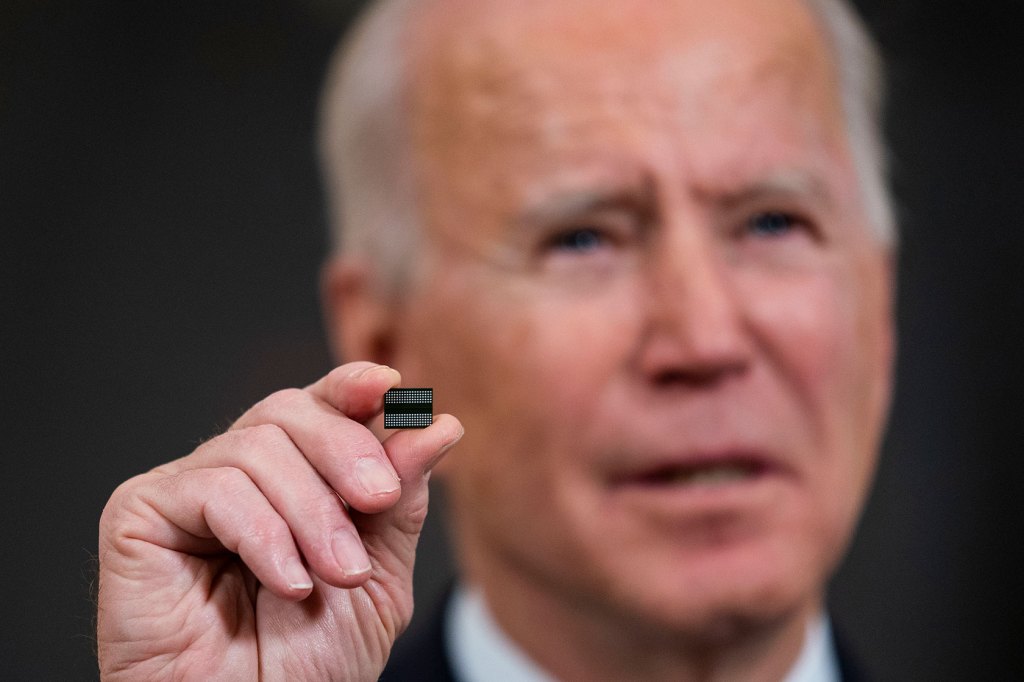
{"x":695,"y":332}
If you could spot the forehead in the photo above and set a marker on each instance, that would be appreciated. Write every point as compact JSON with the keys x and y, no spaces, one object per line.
{"x":469,"y":52}
{"x":507,"y":85}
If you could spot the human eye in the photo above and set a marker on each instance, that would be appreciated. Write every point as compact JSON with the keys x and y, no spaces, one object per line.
{"x":600,"y":238}
{"x":579,"y":240}
{"x":776,"y":235}
{"x":773,"y":224}
{"x":581,"y":250}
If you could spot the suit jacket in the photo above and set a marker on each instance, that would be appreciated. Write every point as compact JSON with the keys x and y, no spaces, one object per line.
{"x":423,"y":657}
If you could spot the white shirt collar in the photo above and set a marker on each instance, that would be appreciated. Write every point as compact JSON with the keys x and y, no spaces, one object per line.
{"x":480,"y":651}
{"x":817,"y":661}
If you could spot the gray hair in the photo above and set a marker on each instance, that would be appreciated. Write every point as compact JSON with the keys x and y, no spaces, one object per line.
{"x":364,"y":143}
{"x":858,"y":62}
{"x":365,"y":147}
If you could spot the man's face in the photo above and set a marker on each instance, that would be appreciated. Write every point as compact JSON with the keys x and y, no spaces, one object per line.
{"x":650,"y":294}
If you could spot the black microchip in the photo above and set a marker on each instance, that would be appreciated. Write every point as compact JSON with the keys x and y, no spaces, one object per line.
{"x":408,"y":408}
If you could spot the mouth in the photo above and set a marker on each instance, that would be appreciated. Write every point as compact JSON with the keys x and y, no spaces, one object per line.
{"x":711,"y":474}
{"x":714,"y":476}
{"x":702,"y":490}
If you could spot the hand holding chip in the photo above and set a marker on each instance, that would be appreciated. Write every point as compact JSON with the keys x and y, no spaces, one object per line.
{"x":280,"y":549}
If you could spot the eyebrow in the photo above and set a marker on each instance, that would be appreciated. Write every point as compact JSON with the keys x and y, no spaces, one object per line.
{"x":566,"y":206}
{"x":784,"y":183}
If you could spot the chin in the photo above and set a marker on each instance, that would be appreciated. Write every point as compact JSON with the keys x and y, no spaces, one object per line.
{"x":722,"y":595}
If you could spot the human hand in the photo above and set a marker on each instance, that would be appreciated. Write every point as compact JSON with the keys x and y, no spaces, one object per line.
{"x":280,"y":549}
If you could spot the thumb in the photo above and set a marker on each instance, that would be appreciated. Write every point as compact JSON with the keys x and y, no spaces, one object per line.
{"x":390,"y":536}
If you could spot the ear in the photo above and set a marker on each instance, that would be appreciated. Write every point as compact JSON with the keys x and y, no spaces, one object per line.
{"x":358,"y":317}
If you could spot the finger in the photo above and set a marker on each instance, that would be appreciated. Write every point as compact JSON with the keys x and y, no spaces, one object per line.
{"x":414,"y":452}
{"x":356,"y":389}
{"x":344,"y":452}
{"x":315,"y":514}
{"x":224,"y":504}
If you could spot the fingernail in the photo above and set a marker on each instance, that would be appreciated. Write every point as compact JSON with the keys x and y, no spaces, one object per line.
{"x":350,"y":553}
{"x":375,"y":476}
{"x":296,"y":575}
{"x":355,"y":374}
{"x":371,"y":370}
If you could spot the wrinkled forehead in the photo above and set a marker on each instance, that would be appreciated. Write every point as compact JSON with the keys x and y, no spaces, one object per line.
{"x":482,"y":57}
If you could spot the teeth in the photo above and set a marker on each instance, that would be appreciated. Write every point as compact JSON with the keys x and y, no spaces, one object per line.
{"x":712,"y":475}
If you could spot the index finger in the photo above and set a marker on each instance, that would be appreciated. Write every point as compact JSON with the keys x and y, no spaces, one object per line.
{"x":356,"y":389}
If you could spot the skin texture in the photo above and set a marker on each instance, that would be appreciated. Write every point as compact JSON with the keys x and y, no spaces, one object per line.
{"x":606,"y":301}
{"x":201,"y":575}
{"x":646,"y":286}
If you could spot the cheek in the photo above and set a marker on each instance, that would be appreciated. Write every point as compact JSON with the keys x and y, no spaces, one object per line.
{"x":579,"y":344}
{"x":823,"y":335}
{"x":804,"y":326}
{"x":843,"y":364}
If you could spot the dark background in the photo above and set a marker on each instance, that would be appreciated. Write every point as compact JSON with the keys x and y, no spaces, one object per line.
{"x":162,"y":231}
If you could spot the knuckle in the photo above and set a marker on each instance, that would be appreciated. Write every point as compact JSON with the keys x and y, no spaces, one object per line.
{"x":263,"y":437}
{"x":228,"y":482}
{"x":328,"y":448}
{"x":265,"y":530}
{"x":337,"y":441}
{"x":322,"y":511}
{"x":129,"y":513}
{"x":119,"y":503}
{"x":358,"y":442}
{"x":285,"y":400}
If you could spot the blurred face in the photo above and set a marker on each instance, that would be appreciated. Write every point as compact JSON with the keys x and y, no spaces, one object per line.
{"x":650,"y":294}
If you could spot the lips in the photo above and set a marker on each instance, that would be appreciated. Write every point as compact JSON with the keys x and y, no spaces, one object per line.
{"x":699,"y":469}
